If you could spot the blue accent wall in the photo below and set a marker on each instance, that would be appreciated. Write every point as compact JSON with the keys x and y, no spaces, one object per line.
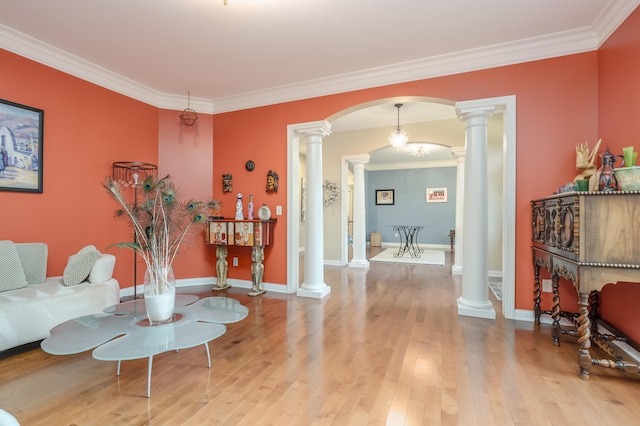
{"x":410,"y":206}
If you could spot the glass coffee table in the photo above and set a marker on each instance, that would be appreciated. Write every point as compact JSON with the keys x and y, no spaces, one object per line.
{"x":123,"y":332}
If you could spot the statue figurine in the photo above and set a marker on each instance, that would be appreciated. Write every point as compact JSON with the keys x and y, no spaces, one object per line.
{"x":250,"y":208}
{"x":239,"y":214}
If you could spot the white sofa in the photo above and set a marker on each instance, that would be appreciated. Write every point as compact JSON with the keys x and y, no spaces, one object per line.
{"x":28,"y":312}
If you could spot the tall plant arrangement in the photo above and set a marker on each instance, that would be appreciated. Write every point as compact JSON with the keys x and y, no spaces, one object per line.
{"x":160,"y":220}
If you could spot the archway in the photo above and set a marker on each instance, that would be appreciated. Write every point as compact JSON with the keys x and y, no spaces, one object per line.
{"x":506,"y":106}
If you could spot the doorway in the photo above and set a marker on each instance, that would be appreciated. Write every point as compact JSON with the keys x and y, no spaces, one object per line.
{"x":505,"y":105}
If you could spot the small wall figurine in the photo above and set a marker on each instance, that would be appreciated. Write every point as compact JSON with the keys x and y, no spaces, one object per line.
{"x":272,"y":181}
{"x":227,"y":182}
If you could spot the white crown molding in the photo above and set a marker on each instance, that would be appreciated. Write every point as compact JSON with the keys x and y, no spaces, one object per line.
{"x":536,"y":48}
{"x":611,"y":17}
{"x":36,"y":50}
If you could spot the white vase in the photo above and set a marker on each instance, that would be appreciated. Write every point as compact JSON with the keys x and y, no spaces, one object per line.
{"x":159,"y":295}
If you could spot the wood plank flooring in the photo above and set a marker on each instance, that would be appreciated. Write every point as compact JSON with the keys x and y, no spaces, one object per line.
{"x":386,"y":347}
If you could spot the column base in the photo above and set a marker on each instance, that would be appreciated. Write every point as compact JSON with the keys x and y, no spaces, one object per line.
{"x":314,"y":292}
{"x":471,"y":308}
{"x":456,"y":270}
{"x":359,"y":263}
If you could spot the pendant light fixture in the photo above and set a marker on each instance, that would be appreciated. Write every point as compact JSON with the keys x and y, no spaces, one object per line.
{"x":189,"y":117}
{"x":398,"y":137}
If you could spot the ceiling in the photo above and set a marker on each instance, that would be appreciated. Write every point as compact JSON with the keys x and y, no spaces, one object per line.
{"x":258,"y":52}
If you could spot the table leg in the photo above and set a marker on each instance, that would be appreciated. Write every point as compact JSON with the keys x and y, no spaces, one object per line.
{"x":584,"y":337}
{"x":149,"y":376}
{"x":118,"y":370}
{"x":222,"y":266}
{"x":536,"y":293}
{"x":415,"y":249}
{"x":257,"y":271}
{"x":555,"y":311}
{"x":206,"y":346}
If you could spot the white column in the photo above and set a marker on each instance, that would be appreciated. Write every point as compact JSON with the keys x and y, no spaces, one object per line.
{"x":458,"y":153}
{"x":359,"y":259}
{"x":474,"y":301}
{"x":314,"y":285}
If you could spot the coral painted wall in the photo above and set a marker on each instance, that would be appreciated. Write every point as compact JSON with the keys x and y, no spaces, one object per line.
{"x":185,"y":153}
{"x":619,"y":97}
{"x":556,"y":109}
{"x":86,"y":129}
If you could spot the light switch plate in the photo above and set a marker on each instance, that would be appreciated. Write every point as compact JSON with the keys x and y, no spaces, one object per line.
{"x":278,"y":210}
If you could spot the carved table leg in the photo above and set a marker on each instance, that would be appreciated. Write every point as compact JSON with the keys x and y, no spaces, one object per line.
{"x":584,"y":337}
{"x":257,"y":270}
{"x":222,"y":267}
{"x":536,"y":293}
{"x":555,"y":311}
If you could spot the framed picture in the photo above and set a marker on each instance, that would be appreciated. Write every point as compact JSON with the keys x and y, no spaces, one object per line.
{"x":436,"y":195}
{"x":20,"y":147}
{"x":385,"y":197}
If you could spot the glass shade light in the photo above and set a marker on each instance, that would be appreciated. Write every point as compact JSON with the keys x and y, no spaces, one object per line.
{"x":398,"y":137}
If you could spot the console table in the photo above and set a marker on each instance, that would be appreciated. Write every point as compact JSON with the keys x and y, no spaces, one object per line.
{"x":243,"y":233}
{"x":590,"y":239}
{"x":408,"y":240}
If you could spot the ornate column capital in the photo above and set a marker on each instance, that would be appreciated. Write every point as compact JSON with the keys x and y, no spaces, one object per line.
{"x":458,"y":152}
{"x":357,"y":159}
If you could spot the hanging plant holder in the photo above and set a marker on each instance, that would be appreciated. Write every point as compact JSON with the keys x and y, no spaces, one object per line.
{"x":189,"y":117}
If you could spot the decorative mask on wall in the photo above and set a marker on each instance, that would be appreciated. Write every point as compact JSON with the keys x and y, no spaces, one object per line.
{"x":227,"y":183}
{"x":272,"y":181}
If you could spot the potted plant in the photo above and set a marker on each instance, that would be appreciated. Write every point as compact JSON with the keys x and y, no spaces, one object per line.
{"x":161,"y":224}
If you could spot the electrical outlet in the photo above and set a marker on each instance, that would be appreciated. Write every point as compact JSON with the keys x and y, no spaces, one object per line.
{"x":546,"y":286}
{"x":278,"y":210}
{"x":235,"y":261}
{"x":396,"y":235}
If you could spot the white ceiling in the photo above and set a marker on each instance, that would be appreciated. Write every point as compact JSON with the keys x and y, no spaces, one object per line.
{"x":257,"y":52}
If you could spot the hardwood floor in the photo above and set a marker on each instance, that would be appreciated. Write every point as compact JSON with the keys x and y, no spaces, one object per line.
{"x":385,"y":347}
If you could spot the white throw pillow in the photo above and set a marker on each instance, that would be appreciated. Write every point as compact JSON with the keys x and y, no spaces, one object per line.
{"x":11,"y":272}
{"x":33,"y":257}
{"x":102,"y":269}
{"x":79,"y":266}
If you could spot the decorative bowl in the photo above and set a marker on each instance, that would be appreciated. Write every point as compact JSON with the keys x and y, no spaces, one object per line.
{"x":628,"y":178}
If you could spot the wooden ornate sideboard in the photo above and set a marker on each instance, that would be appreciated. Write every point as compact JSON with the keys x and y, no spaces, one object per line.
{"x":590,"y":239}
{"x":244,"y":233}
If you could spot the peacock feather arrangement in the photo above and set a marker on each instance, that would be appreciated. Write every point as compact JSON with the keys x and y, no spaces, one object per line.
{"x":161,"y":222}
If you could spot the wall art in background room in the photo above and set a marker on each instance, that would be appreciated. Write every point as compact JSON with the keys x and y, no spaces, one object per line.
{"x":384,"y":197}
{"x":436,"y":195}
{"x":20,"y":147}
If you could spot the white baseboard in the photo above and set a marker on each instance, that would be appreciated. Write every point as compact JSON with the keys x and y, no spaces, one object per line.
{"x":204,"y":281}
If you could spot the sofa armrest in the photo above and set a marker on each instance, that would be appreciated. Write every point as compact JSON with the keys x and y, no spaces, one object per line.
{"x":102,"y":269}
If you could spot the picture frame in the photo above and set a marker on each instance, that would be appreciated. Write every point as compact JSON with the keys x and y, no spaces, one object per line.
{"x":436,"y":195}
{"x":21,"y":143}
{"x":385,"y":197}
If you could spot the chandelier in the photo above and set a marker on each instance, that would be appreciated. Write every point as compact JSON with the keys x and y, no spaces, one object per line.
{"x":420,"y":151}
{"x":398,"y":136}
